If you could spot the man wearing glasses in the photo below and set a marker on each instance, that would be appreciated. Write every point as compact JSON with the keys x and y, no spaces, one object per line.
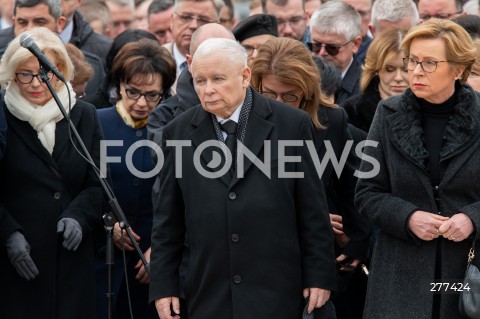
{"x":291,"y":18}
{"x":442,"y":9}
{"x":187,"y":17}
{"x":335,"y":37}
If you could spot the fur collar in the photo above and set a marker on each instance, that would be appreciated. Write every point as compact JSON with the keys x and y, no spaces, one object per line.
{"x":406,"y":129}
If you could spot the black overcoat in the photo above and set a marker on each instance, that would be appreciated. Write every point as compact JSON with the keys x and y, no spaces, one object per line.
{"x":255,"y":242}
{"x":403,"y":266}
{"x":36,"y":199}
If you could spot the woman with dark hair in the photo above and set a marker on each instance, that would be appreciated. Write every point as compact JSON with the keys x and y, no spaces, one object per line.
{"x":107,"y":93}
{"x":144,"y":73}
{"x":284,"y":70}
{"x":424,"y":196}
{"x":383,"y":76}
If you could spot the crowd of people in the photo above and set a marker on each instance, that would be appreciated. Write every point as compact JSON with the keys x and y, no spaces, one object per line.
{"x":293,"y":159}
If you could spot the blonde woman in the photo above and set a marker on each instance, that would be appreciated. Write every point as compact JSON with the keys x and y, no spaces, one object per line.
{"x":51,"y":195}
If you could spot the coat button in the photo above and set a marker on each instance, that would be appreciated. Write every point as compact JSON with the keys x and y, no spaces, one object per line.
{"x":57,"y":195}
{"x":235,"y":238}
{"x":232,"y":195}
{"x":139,"y":133}
{"x":237,"y":279}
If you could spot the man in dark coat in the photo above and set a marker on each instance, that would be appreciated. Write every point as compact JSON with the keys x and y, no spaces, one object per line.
{"x":78,"y":32}
{"x":258,"y":243}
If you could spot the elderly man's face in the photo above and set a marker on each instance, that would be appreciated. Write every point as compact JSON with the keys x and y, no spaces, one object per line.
{"x":36,"y":16}
{"x":346,"y":48}
{"x":443,"y":9}
{"x":291,"y":18}
{"x":188,"y":17}
{"x":220,"y":84}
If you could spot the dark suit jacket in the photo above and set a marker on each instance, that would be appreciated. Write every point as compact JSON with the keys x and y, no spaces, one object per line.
{"x":350,"y":84}
{"x":340,"y":190}
{"x":255,"y":242}
{"x":36,"y":199}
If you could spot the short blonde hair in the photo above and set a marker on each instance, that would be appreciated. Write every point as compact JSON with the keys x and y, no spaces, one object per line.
{"x":459,"y":45}
{"x":47,"y":41}
{"x":383,"y":47}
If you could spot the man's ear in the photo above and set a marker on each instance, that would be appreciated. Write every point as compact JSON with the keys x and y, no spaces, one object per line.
{"x":371,"y":29}
{"x":61,"y":23}
{"x":189,"y":62}
{"x":356,"y":43}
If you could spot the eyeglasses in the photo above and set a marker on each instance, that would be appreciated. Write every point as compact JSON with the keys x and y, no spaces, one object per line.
{"x":249,"y":49}
{"x":425,"y":16}
{"x":188,"y":18}
{"x":135,"y":94}
{"x":293,"y":21}
{"x":27,"y":78}
{"x":287,"y":97}
{"x":331,"y":49}
{"x":428,"y":66}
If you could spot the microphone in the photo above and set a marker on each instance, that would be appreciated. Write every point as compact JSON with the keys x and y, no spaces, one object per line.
{"x":27,"y":42}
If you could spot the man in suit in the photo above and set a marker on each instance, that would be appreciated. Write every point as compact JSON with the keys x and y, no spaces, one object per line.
{"x":188,"y":16}
{"x":336,"y":37}
{"x":260,"y":239}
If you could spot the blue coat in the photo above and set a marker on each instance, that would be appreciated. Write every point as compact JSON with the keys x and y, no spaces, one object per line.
{"x":134,"y":196}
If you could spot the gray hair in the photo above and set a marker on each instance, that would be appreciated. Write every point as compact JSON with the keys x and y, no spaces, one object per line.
{"x":218,"y":4}
{"x":233,"y":51}
{"x":47,"y":41}
{"x":54,"y":6}
{"x":337,"y":17}
{"x":393,"y":11}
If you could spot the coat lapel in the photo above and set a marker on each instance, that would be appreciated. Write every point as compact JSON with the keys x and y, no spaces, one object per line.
{"x":203,"y":131}
{"x":407,"y":134}
{"x":29,"y":136}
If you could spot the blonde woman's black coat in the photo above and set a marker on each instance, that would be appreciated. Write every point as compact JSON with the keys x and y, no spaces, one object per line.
{"x":36,"y":198}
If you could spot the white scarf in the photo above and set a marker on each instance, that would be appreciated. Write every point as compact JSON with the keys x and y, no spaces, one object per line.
{"x":44,"y":118}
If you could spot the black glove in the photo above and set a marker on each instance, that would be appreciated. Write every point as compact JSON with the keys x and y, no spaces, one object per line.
{"x":72,"y":233}
{"x":18,"y":251}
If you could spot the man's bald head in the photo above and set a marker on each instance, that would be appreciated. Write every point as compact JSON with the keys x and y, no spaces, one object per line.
{"x":208,"y":31}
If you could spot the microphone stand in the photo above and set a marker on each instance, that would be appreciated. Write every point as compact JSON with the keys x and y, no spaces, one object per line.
{"x":112,"y":200}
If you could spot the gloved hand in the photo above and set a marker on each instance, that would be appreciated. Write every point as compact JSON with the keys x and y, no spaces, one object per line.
{"x":18,"y":251}
{"x":72,"y":233}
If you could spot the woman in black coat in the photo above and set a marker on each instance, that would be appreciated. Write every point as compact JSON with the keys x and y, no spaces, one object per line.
{"x":383,"y":76}
{"x":284,"y":70}
{"x":51,"y":195}
{"x":424,"y":196}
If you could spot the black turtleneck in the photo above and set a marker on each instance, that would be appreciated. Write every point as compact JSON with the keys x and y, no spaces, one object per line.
{"x":434,"y":120}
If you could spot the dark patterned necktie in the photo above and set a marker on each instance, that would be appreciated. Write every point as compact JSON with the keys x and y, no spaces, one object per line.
{"x":230,"y":127}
